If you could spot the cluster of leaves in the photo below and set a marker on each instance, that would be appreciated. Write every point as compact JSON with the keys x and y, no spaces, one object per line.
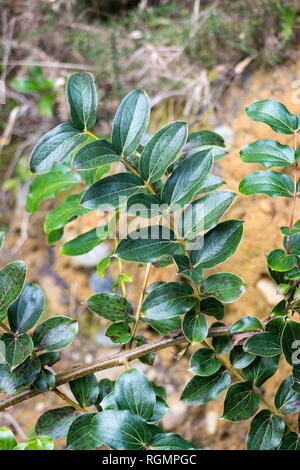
{"x":25,"y":358}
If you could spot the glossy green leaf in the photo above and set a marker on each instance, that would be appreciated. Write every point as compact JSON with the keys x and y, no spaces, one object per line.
{"x":56,"y":422}
{"x":148,"y":244}
{"x":241,"y":402}
{"x":144,"y":205}
{"x":95,"y":154}
{"x":36,"y":443}
{"x":170,"y":441}
{"x":55,"y":146}
{"x":212,"y":307}
{"x":263,"y":344}
{"x":48,"y":185}
{"x":194,"y":327}
{"x":21,"y":377}
{"x":12,"y":278}
{"x":290,"y":340}
{"x":186,"y":180}
{"x":219,"y":244}
{"x":265,"y":432}
{"x":204,"y":213}
{"x":185,"y":269}
{"x":119,"y":332}
{"x":135,"y":393}
{"x":162,"y":150}
{"x":130,"y":122}
{"x":85,"y":390}
{"x":45,"y":381}
{"x":248,"y":323}
{"x":200,"y":138}
{"x":211,"y":183}
{"x":79,"y":436}
{"x":239,"y":358}
{"x":84,"y":242}
{"x":26,"y":311}
{"x":169,"y":300}
{"x":275,"y":114}
{"x":82,"y":99}
{"x":200,"y":390}
{"x":120,"y":430}
{"x":49,"y":358}
{"x":293,"y":244}
{"x":278,"y":260}
{"x":296,"y":375}
{"x":55,"y":236}
{"x":110,"y":306}
{"x":221,"y":344}
{"x":268,"y":153}
{"x":55,"y":333}
{"x":17,"y":348}
{"x":112,"y":192}
{"x":225,"y":287}
{"x":290,"y":441}
{"x":267,"y":182}
{"x":286,"y":400}
{"x":260,"y":370}
{"x":204,"y":362}
{"x":7,"y":439}
{"x":106,"y":386}
{"x":164,"y":326}
{"x":291,"y":231}
{"x":276,"y":325}
{"x":64,"y":213}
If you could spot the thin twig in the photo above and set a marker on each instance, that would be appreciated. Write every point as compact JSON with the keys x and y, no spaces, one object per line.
{"x":68,"y":400}
{"x":139,"y":307}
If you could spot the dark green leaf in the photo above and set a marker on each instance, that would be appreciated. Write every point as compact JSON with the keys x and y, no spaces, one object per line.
{"x":110,"y":306}
{"x":296,"y":375}
{"x":130,"y":122}
{"x":48,"y":185}
{"x":200,"y":390}
{"x":248,"y":323}
{"x":204,"y":213}
{"x":45,"y":381}
{"x":119,"y":332}
{"x":17,"y":348}
{"x":55,"y":333}
{"x":210,"y":183}
{"x":21,"y":377}
{"x":241,"y":402}
{"x":26,"y":311}
{"x":112,"y":192}
{"x":12,"y":278}
{"x":49,"y":358}
{"x":225,"y":287}
{"x":160,"y":409}
{"x":170,"y":441}
{"x":275,"y":325}
{"x":145,"y":205}
{"x":263,"y":344}
{"x":293,"y":244}
{"x":95,"y":154}
{"x":55,"y":423}
{"x":79,"y":434}
{"x":291,"y":231}
{"x":106,"y":386}
{"x":55,"y":236}
{"x":199,"y":138}
{"x":290,"y":441}
{"x":275,"y":114}
{"x":64,"y":213}
{"x":219,"y":244}
{"x":82,"y":98}
{"x":186,"y":180}
{"x":269,"y":153}
{"x":55,"y":147}
{"x":85,"y":390}
{"x":260,"y":370}
{"x":239,"y":358}
{"x":221,"y":344}
{"x":169,"y":300}
{"x":7,"y":439}
{"x":286,"y":400}
{"x":204,"y":362}
{"x":120,"y":430}
{"x":290,"y":340}
{"x":278,"y":260}
{"x":212,"y":307}
{"x":162,"y":150}
{"x":267,"y":182}
{"x":265,"y":432}
{"x":194,"y":327}
{"x":185,"y":269}
{"x":164,"y":326}
{"x":84,"y":242}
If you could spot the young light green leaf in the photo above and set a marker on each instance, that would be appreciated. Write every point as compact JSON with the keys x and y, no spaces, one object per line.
{"x":110,"y":306}
{"x":260,"y":370}
{"x":263,"y":344}
{"x":7,"y":439}
{"x":286,"y":400}
{"x":275,"y":114}
{"x":241,"y":402}
{"x":84,"y":242}
{"x":55,"y":147}
{"x":265,"y":432}
{"x":267,"y":182}
{"x":162,"y":150}
{"x":82,"y":99}
{"x":95,"y":154}
{"x":268,"y":153}
{"x":79,"y":436}
{"x":219,"y":244}
{"x":55,"y":333}
{"x":12,"y":278}
{"x":17,"y":348}
{"x":169,"y":300}
{"x":225,"y":287}
{"x":200,"y":390}
{"x":244,"y":324}
{"x":130,"y":122}
{"x":56,"y":422}
{"x":204,"y":362}
{"x":85,"y":390}
{"x":48,"y":185}
{"x":148,"y":244}
{"x":194,"y":327}
{"x":26,"y":311}
{"x":64,"y":213}
{"x":278,"y":260}
{"x":36,"y":443}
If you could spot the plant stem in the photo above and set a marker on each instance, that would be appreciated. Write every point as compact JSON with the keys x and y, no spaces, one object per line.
{"x":5,"y":328}
{"x":139,"y":307}
{"x":68,"y":400}
{"x":123,"y":284}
